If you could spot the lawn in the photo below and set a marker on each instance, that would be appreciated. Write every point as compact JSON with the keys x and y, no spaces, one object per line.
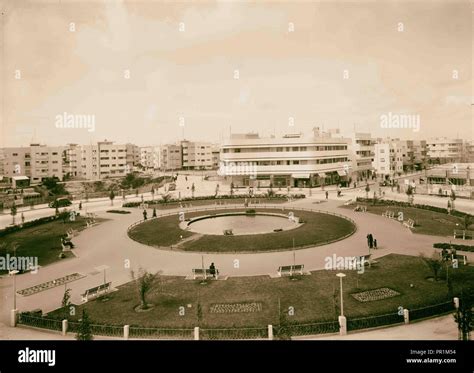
{"x":313,"y":298}
{"x":42,"y":241}
{"x":427,"y":222}
{"x":318,"y":229}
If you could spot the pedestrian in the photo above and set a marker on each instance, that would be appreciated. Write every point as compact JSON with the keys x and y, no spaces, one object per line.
{"x":327,"y":194}
{"x":375,"y":244}
{"x":444,"y":254}
{"x":212,"y":270}
{"x":368,"y":240}
{"x":371,"y":240}
{"x":145,"y":215}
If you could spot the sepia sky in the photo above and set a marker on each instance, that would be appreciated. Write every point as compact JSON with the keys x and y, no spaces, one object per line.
{"x":344,"y":65}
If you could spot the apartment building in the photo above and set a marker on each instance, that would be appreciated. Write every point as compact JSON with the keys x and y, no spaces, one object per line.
{"x":389,"y":157}
{"x":36,"y":162}
{"x":216,"y":156}
{"x":171,"y":157}
{"x":416,"y":157}
{"x":150,"y":157}
{"x":362,"y":147}
{"x":444,"y":150}
{"x":292,"y":160}
{"x":196,"y":155}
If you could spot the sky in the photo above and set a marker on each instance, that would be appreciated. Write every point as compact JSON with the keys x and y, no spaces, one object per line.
{"x":154,"y":72}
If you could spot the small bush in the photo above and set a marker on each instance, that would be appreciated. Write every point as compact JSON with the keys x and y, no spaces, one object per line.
{"x":118,"y":212}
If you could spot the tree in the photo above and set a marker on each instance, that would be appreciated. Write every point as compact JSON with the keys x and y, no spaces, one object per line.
{"x":232,"y":188}
{"x":84,"y":331}
{"x":410,"y":193}
{"x":66,"y":298}
{"x":166,"y":197}
{"x":463,"y":317}
{"x":193,"y":188}
{"x":64,"y":215}
{"x":144,"y":283}
{"x":13,"y":212}
{"x":152,"y":194}
{"x":112,"y":196}
{"x":434,"y":263}
{"x":154,"y":212}
{"x":453,"y":197}
{"x":367,"y":190}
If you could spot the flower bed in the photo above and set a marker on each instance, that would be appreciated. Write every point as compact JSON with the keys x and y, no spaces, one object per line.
{"x":236,"y":307}
{"x":376,"y":294}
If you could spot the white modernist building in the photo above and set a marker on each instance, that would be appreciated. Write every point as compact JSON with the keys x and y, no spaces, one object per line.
{"x":291,"y":160}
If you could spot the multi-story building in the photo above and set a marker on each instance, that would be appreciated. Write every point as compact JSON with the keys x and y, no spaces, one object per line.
{"x":389,"y":156}
{"x":171,"y":157}
{"x":292,"y":160}
{"x":416,"y":156}
{"x":150,"y":157}
{"x":362,"y":147}
{"x":216,"y":151}
{"x":36,"y":161}
{"x":196,"y":155}
{"x":443,"y":150}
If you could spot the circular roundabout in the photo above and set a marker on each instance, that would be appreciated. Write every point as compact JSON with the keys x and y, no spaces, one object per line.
{"x":237,"y":229}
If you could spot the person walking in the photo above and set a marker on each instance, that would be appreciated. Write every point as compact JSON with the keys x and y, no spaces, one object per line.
{"x":375,"y":244}
{"x":327,"y":194}
{"x":368,"y":240}
{"x":212,"y":270}
{"x":371,"y":240}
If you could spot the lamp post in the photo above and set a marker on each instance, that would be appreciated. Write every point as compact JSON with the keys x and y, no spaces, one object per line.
{"x":341,"y":275}
{"x":14,"y":273}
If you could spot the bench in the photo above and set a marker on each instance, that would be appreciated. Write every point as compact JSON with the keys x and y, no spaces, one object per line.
{"x":71,"y":233}
{"x":365,"y":258}
{"x":464,"y":234}
{"x":360,"y":208}
{"x":410,"y":223}
{"x":91,"y":223}
{"x":204,"y":273}
{"x":460,"y":257}
{"x":95,"y":291}
{"x":290,"y":270}
{"x":389,"y":214}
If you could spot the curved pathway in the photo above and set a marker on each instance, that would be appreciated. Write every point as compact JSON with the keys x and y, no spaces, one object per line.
{"x":108,"y":244}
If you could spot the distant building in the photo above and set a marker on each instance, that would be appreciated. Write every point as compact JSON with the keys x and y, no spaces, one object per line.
{"x":196,"y":155}
{"x":292,"y":160}
{"x":443,"y":150}
{"x":171,"y":157}
{"x":362,"y":147}
{"x":389,"y":156}
{"x":150,"y":157}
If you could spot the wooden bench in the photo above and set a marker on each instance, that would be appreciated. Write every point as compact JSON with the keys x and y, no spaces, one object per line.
{"x":464,"y":234}
{"x":95,"y":291}
{"x":460,"y":257}
{"x":365,"y":258}
{"x":410,"y":223}
{"x":204,"y":273}
{"x":71,"y":233}
{"x":290,"y":270}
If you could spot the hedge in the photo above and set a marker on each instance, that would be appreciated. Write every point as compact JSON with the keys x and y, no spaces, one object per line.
{"x":203,"y":198}
{"x":29,"y":224}
{"x":382,"y":202}
{"x":447,"y":246}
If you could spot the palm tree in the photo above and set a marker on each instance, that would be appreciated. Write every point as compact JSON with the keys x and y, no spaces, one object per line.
{"x":367,"y":190}
{"x":410,"y":194}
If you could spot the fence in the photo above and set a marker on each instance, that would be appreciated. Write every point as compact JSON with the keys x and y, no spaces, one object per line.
{"x":314,"y":328}
{"x":234,"y":333}
{"x":160,"y":333}
{"x":434,"y":310}
{"x":323,"y":327}
{"x":374,"y":321}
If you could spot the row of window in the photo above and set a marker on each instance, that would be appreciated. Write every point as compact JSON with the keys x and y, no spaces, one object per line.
{"x":285,"y":149}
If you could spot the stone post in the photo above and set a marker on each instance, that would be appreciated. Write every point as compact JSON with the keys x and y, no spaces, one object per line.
{"x":406,"y":316}
{"x":13,"y":317}
{"x":342,"y":325}
{"x":65,"y":326}
{"x":270,"y":332}
{"x":196,"y":333}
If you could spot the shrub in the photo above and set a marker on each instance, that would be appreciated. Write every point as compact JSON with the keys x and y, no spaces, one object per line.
{"x":118,"y":212}
{"x":447,"y":246}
